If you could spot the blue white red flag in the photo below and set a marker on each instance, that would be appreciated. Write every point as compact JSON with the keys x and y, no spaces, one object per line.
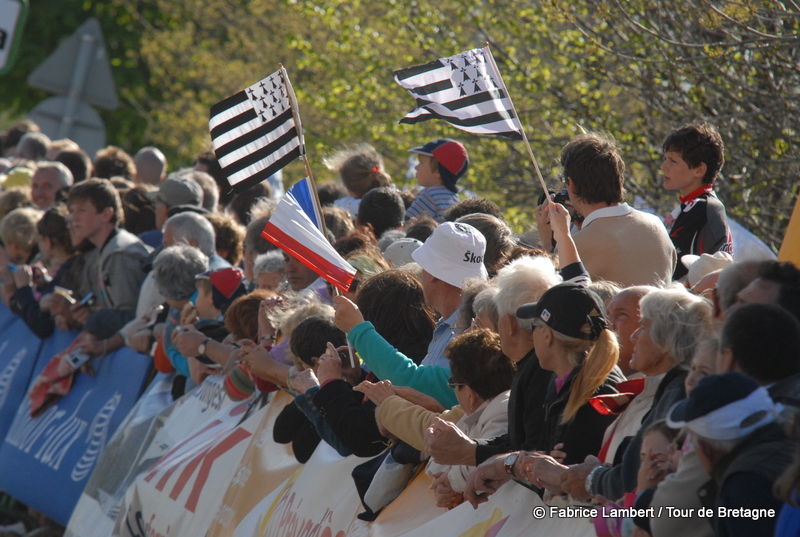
{"x":303,"y":193}
{"x":295,"y":227}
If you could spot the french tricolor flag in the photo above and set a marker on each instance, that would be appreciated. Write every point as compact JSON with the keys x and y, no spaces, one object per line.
{"x":295,"y":227}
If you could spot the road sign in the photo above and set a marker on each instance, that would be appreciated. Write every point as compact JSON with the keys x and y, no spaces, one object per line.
{"x":86,"y":129}
{"x":12,"y":19}
{"x":79,"y":67}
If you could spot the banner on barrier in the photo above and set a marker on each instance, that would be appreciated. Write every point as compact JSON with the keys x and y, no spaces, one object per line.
{"x":18,"y":351}
{"x":264,"y":466}
{"x":122,"y":461}
{"x":180,"y":494}
{"x":319,"y":499}
{"x":58,"y":450}
{"x":150,"y":431}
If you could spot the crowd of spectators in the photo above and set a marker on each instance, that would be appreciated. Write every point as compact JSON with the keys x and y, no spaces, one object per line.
{"x":618,"y":361}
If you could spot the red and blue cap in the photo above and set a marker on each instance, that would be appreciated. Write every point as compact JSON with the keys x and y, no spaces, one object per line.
{"x":450,"y":155}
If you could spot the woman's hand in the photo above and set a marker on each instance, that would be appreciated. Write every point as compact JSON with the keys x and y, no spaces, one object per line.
{"x":443,"y":492}
{"x":347,"y":314}
{"x":377,"y":392}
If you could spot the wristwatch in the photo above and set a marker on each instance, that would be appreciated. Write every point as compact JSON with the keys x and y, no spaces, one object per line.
{"x":509,"y":462}
{"x":201,"y":349}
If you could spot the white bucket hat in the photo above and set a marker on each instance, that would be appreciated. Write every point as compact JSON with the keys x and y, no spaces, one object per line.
{"x":453,"y":253}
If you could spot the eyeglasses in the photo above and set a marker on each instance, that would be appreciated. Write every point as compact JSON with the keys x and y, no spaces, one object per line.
{"x":453,"y":384}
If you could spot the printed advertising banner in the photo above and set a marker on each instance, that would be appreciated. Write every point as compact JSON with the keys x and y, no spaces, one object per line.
{"x":45,"y":462}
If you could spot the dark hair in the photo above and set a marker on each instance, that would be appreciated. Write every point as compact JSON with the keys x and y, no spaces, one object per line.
{"x":477,"y":360}
{"x":78,"y":163}
{"x":53,"y":225}
{"x":241,"y":319}
{"x":360,"y":168}
{"x":253,"y":239}
{"x":209,"y":160}
{"x":698,"y":143}
{"x":409,"y":196}
{"x":381,"y":208}
{"x":787,"y":276}
{"x":764,"y":340}
{"x":472,"y":206}
{"x":310,"y":338}
{"x":499,"y":239}
{"x":17,"y":131}
{"x":337,"y":221}
{"x":101,"y":194}
{"x":394,"y":303}
{"x":139,"y":208}
{"x":353,"y":241}
{"x":112,"y":162}
{"x":420,"y":227}
{"x":330,"y":192}
{"x":228,"y":236}
{"x":596,"y":168}
{"x":242,"y":203}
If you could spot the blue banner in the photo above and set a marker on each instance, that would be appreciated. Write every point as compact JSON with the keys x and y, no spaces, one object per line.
{"x":46,"y":462}
{"x":19,"y":348}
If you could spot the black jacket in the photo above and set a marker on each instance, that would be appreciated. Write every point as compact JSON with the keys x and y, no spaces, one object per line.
{"x":583,"y":434}
{"x":352,"y":419}
{"x":525,"y":410}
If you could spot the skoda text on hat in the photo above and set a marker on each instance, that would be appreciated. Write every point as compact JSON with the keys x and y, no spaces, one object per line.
{"x":453,"y":253}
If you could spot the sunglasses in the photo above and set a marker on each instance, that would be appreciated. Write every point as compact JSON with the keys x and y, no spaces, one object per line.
{"x":453,"y":384}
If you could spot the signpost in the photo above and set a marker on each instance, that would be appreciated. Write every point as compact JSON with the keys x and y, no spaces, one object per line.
{"x":79,"y":69}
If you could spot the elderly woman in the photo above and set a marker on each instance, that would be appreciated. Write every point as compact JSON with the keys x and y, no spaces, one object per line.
{"x":481,"y":377}
{"x":673,"y":323}
{"x":174,"y":271}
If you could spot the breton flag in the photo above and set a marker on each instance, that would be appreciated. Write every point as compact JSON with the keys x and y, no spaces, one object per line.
{"x":254,"y":132}
{"x":295,"y":227}
{"x":465,"y":90}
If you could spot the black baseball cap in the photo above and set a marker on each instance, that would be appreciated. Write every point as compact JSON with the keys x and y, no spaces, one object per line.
{"x":569,"y":309}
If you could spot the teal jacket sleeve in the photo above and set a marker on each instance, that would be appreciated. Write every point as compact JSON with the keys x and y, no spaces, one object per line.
{"x":390,"y":364}
{"x":180,"y":363}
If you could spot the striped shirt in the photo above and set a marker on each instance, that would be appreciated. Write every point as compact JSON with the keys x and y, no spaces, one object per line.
{"x":433,"y":200}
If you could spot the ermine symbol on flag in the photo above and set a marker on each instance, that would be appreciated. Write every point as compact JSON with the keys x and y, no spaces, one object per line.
{"x":465,"y":90}
{"x":254,"y":133}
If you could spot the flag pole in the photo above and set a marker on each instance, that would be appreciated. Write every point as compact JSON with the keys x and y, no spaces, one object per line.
{"x":296,"y":115}
{"x":299,"y":125}
{"x":488,"y":52}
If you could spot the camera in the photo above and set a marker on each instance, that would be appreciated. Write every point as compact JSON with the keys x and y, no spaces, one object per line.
{"x":560,"y":197}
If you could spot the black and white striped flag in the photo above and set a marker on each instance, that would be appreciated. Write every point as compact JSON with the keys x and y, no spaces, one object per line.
{"x":465,"y":90}
{"x":254,"y":133}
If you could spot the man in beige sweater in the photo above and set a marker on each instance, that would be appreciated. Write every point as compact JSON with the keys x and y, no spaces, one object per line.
{"x":616,"y":242}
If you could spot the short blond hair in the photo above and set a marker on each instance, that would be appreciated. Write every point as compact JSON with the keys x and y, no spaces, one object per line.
{"x":19,"y":227}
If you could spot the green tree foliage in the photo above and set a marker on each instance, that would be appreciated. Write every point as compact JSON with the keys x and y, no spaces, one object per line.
{"x":633,"y":68}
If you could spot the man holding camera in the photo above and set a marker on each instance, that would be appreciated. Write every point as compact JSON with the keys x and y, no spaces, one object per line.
{"x":616,"y":242}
